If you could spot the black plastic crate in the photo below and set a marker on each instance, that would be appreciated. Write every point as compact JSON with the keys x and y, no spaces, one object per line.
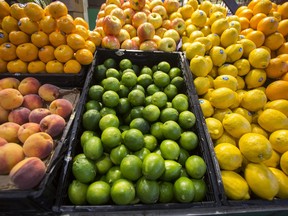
{"x":140,"y":58}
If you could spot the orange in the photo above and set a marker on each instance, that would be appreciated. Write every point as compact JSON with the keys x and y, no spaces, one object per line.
{"x":81,"y":21}
{"x":284,"y":57}
{"x":81,"y":30}
{"x":63,"y":53}
{"x":57,"y":38}
{"x":239,"y":9}
{"x":9,"y":24}
{"x":274,"y":41}
{"x":8,"y":52}
{"x":40,"y":39}
{"x":48,"y":24}
{"x":275,"y":14}
{"x":95,"y":37}
{"x":65,"y":24}
{"x":3,"y":66}
{"x":252,"y":4}
{"x":36,"y":67}
{"x":276,"y":68}
{"x":17,"y":10}
{"x":4,"y":9}
{"x":17,"y":66}
{"x":27,"y":52}
{"x":268,"y":25}
{"x":3,"y":36}
{"x":256,"y":19}
{"x":90,"y":46}
{"x":283,"y":27}
{"x":246,"y":31}
{"x":72,"y":66}
{"x":84,"y":56}
{"x":263,"y":6}
{"x":46,"y":53}
{"x":57,"y":9}
{"x":54,"y":66}
{"x":75,"y":41}
{"x":283,"y":10}
{"x":244,"y":23}
{"x":34,"y":11}
{"x":284,"y":77}
{"x":18,"y":37}
{"x":277,"y":90}
{"x":283,"y":49}
{"x":257,"y":37}
{"x":28,"y":26}
{"x":248,"y":13}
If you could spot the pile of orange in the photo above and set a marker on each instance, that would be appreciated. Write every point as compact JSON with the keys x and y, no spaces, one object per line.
{"x":36,"y":40}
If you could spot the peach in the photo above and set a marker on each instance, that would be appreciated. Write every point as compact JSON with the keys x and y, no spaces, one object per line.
{"x":49,"y":92}
{"x":10,"y":155}
{"x":38,"y":145}
{"x":32,"y":101}
{"x":2,"y":141}
{"x":53,"y":125}
{"x":28,"y":173}
{"x":29,"y":85}
{"x":19,"y":115}
{"x":10,"y":98}
{"x":3,"y":115}
{"x":9,"y":131}
{"x":9,"y":82}
{"x":62,"y":107}
{"x":27,"y":129}
{"x":38,"y":114}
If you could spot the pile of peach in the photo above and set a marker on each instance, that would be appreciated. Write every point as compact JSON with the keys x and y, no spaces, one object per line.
{"x":32,"y":116}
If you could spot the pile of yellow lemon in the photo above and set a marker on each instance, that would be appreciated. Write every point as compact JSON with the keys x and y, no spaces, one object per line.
{"x":232,"y":59}
{"x":36,"y":40}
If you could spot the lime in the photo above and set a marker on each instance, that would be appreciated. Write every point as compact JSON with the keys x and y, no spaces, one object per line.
{"x":184,"y":190}
{"x":113,"y":175}
{"x":178,"y":81}
{"x":195,"y":166}
{"x":131,"y":167}
{"x":171,"y":130}
{"x":169,"y":105}
{"x":148,"y":100}
{"x":123,"y":91}
{"x":170,"y":150}
{"x":112,"y":72}
{"x":152,"y":88}
{"x":139,"y":87}
{"x":107,"y":110}
{"x":111,"y":137}
{"x":186,"y":119}
{"x":100,"y":71}
{"x":161,"y":79}
{"x":86,"y":135}
{"x":188,"y":140}
{"x":154,"y":68}
{"x":180,"y":103}
{"x":77,"y":192}
{"x":136,"y":97}
{"x":159,"y":99}
{"x":146,"y":70}
{"x":147,"y":190}
{"x":156,"y":130}
{"x":95,"y":92}
{"x":128,"y":70}
{"x":183,"y":156}
{"x":129,"y":79}
{"x":122,"y":192}
{"x":93,"y":104}
{"x":118,"y":153}
{"x":80,"y":155}
{"x":153,"y":166}
{"x":150,"y":142}
{"x":109,"y":120}
{"x":144,"y":80}
{"x":142,"y":153}
{"x":110,"y":98}
{"x":169,"y":114}
{"x":184,"y":172}
{"x":166,"y":194}
{"x":172,"y":170}
{"x":123,"y":106}
{"x":151,"y":113}
{"x":98,"y":193}
{"x":111,"y":83}
{"x":110,"y":63}
{"x":84,"y":170}
{"x":93,"y":148}
{"x":134,"y":139}
{"x":200,"y":189}
{"x":90,"y":120}
{"x":125,"y":64}
{"x":174,"y":72}
{"x":136,"y":68}
{"x":171,"y":91}
{"x":136,"y":112}
{"x":140,"y":124}
{"x":163,"y":66}
{"x":103,"y":164}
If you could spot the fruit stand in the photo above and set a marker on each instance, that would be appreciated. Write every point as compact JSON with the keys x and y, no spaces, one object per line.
{"x":164,"y":108}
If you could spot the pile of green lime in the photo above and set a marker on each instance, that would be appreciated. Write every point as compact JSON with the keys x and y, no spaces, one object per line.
{"x":138,"y":141}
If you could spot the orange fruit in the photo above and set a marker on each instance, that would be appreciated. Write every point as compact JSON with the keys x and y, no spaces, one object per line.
{"x":283,"y":27}
{"x":90,"y":46}
{"x":84,"y":56}
{"x":268,"y":25}
{"x":27,"y":52}
{"x":248,"y":13}
{"x":9,"y":24}
{"x":17,"y":10}
{"x":40,"y":39}
{"x":284,"y":77}
{"x":244,"y":23}
{"x":246,"y":31}
{"x":81,"y":21}
{"x":75,"y":41}
{"x":284,"y":57}
{"x":257,"y":37}
{"x":81,"y":30}
{"x":277,"y":90}
{"x":4,"y":37}
{"x":252,"y":3}
{"x":256,"y":19}
{"x":18,"y":37}
{"x":57,"y":38}
{"x":34,"y":11}
{"x":36,"y":67}
{"x":54,"y":66}
{"x":3,"y":66}
{"x":283,"y":10}
{"x":63,"y":53}
{"x":274,"y":41}
{"x":239,"y":9}
{"x":65,"y":24}
{"x":4,"y":9}
{"x":95,"y":37}
{"x":276,"y":68}
{"x":283,"y":49}
{"x":57,"y":9}
{"x":8,"y":52}
{"x":48,"y":24}
{"x":263,"y":6}
{"x":72,"y":66}
{"x":17,"y":66}
{"x":28,"y":26}
{"x":46,"y":53}
{"x":275,"y":14}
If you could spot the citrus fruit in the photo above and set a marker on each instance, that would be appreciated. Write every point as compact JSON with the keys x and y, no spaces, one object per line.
{"x":136,"y":97}
{"x":236,"y":125}
{"x":161,"y":79}
{"x":151,"y":113}
{"x":253,"y":100}
{"x":103,"y":164}
{"x":171,"y":130}
{"x":184,"y":190}
{"x":170,"y":150}
{"x":282,"y":180}
{"x":147,"y":190}
{"x":206,"y":107}
{"x":110,"y":98}
{"x":150,"y":142}
{"x":77,"y":192}
{"x":180,"y":103}
{"x":134,"y":139}
{"x":279,"y":141}
{"x":83,"y":170}
{"x":93,"y":148}
{"x":142,"y":153}
{"x":131,"y":167}
{"x":144,"y":80}
{"x":122,"y":192}
{"x":281,"y":105}
{"x":140,"y":124}
{"x":169,"y":113}
{"x":109,"y":120}
{"x":153,"y":166}
{"x":90,"y":119}
{"x":111,"y":137}
{"x":172,"y":170}
{"x":273,"y":161}
{"x":222,"y":97}
{"x":283,"y":162}
{"x":118,"y":153}
{"x":272,"y":120}
{"x":165,"y":192}
{"x":98,"y":193}
{"x":195,"y":166}
{"x":226,"y":81}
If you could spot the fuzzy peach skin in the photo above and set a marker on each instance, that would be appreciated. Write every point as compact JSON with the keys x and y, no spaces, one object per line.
{"x":10,"y":98}
{"x":62,"y":107}
{"x":2,"y":141}
{"x":29,"y":85}
{"x":53,"y":125}
{"x":3,"y":115}
{"x":9,"y":131}
{"x":38,"y":114}
{"x":48,"y":92}
{"x":9,"y":82}
{"x":28,"y":173}
{"x":27,"y":130}
{"x":32,"y":101}
{"x":19,"y":115}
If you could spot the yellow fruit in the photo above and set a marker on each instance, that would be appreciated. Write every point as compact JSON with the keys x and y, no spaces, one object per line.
{"x":277,"y":90}
{"x":28,"y":26}
{"x":57,"y":38}
{"x":205,"y":41}
{"x":254,"y":100}
{"x":273,"y":161}
{"x":54,"y":66}
{"x":236,"y":125}
{"x":84,"y":56}
{"x":215,"y":16}
{"x":279,"y":140}
{"x":283,"y":183}
{"x":90,"y":46}
{"x":9,"y":24}
{"x":199,"y":65}
{"x":40,"y":39}
{"x":280,"y":105}
{"x":63,"y":53}
{"x":218,"y":55}
{"x":234,"y":52}
{"x":195,"y":34}
{"x":222,"y":98}
{"x":225,"y":138}
{"x":17,"y":10}
{"x":229,"y":156}
{"x":4,"y":9}
{"x":268,"y":25}
{"x":257,"y":129}
{"x":18,"y":37}
{"x":27,"y":52}
{"x":199,"y":18}
{"x":219,"y":26}
{"x":220,"y":113}
{"x":244,"y":112}
{"x":202,"y":84}
{"x":215,"y":39}
{"x":57,"y":9}
{"x":195,"y":48}
{"x":8,"y":52}
{"x":255,"y":78}
{"x":225,"y":81}
{"x":227,"y":69}
{"x":229,"y":37}
{"x":236,"y":25}
{"x":261,"y":180}
{"x":218,"y":7}
{"x":243,"y":66}
{"x":75,"y":41}
{"x":241,"y":82}
{"x":248,"y":46}
{"x":274,"y":41}
{"x":206,"y":6}
{"x":3,"y":66}
{"x":284,"y":162}
{"x":272,"y":120}
{"x":206,"y":107}
{"x":215,"y":127}
{"x":48,"y":24}
{"x":17,"y":66}
{"x":66,"y":24}
{"x":259,"y":58}
{"x":81,"y":30}
{"x":263,"y":6}
{"x":4,"y":37}
{"x":34,"y":11}
{"x":257,"y":37}
{"x":81,"y":21}
{"x":36,"y":67}
{"x":72,"y":66}
{"x":235,"y":186}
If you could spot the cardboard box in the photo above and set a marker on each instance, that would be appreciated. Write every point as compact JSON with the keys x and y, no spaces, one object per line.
{"x":74,"y":5}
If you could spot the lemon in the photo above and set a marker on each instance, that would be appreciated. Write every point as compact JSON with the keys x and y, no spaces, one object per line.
{"x":199,"y":18}
{"x":218,"y":7}
{"x":255,"y":147}
{"x":257,"y":129}
{"x":206,"y":107}
{"x":229,"y":37}
{"x":234,"y":52}
{"x":229,"y":156}
{"x":243,"y":66}
{"x":228,"y":69}
{"x":215,"y":39}
{"x":235,"y":186}
{"x":248,"y":46}
{"x":283,"y":182}
{"x":210,"y":63}
{"x":189,"y":29}
{"x":237,"y":101}
{"x":255,"y":78}
{"x":215,"y":16}
{"x":205,"y":41}
{"x":206,"y":31}
{"x":244,"y":112}
{"x":280,"y":105}
{"x":284,"y":162}
{"x":219,"y":26}
{"x":220,"y":113}
{"x":215,"y":127}
{"x":254,"y":100}
{"x":225,"y":81}
{"x":222,"y":98}
{"x":272,"y":120}
{"x":235,"y":24}
{"x":273,"y":161}
{"x":206,"y":6}
{"x":195,"y":34}
{"x":279,"y":140}
{"x":225,"y":138}
{"x":261,"y":180}
{"x":259,"y":58}
{"x":236,"y":125}
{"x":241,"y":83}
{"x":199,"y":65}
{"x":202,"y":84}
{"x":218,"y":55}
{"x":194,"y":49}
